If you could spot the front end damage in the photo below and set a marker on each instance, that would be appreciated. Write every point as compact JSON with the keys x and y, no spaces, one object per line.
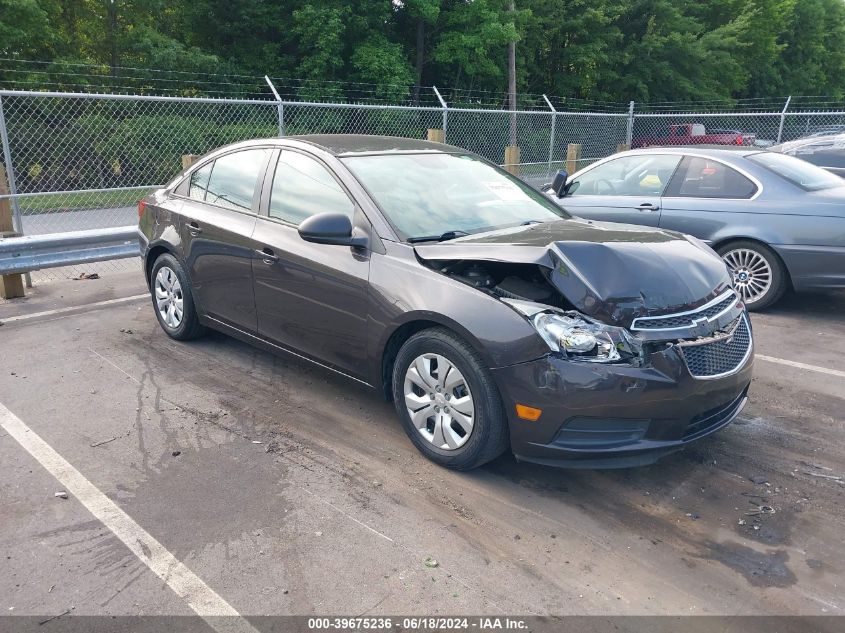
{"x":649,"y":346}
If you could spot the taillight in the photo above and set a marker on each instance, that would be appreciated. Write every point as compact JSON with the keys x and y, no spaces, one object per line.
{"x":142,"y":205}
{"x":739,"y":140}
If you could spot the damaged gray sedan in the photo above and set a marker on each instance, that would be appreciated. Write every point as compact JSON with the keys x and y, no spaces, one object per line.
{"x":490,"y":317}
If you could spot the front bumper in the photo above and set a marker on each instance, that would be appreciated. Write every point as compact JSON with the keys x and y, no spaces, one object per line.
{"x":615,"y":416}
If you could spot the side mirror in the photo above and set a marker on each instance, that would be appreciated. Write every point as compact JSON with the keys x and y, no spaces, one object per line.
{"x":330,"y":228}
{"x":559,"y":183}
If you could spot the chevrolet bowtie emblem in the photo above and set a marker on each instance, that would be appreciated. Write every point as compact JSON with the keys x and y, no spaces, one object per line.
{"x":701,"y":327}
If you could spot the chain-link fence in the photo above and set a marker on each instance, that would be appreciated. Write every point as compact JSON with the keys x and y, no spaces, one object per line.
{"x":76,"y":161}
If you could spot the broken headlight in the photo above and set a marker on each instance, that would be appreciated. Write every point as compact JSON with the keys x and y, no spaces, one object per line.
{"x":577,"y":336}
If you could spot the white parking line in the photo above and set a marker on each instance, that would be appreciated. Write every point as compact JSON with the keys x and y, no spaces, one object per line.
{"x":792,"y":363}
{"x":108,"y":302}
{"x":184,"y":583}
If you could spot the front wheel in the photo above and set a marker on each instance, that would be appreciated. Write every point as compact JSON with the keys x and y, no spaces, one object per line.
{"x":758,"y":274}
{"x":447,"y":401}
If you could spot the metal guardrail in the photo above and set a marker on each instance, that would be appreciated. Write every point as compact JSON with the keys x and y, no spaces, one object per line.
{"x":34,"y":252}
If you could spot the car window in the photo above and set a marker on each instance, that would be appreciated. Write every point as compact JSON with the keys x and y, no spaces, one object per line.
{"x":426,"y":195}
{"x":199,"y":182}
{"x":233,"y":178}
{"x":707,"y":178}
{"x":637,"y":175}
{"x":798,"y":172}
{"x":302,"y":187}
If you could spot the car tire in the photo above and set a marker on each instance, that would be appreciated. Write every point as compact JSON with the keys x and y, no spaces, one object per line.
{"x":487,"y":437}
{"x":173,"y":300}
{"x":749,"y":258}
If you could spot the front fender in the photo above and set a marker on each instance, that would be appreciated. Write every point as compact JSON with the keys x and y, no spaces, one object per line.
{"x":402,"y":291}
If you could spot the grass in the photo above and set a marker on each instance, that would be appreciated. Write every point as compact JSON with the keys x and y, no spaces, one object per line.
{"x":31,"y":205}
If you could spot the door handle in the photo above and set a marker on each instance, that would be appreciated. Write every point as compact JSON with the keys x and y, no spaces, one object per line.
{"x":648,"y":206}
{"x":267,"y":255}
{"x":194,"y":229}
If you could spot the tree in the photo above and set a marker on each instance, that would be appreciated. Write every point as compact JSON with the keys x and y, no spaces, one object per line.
{"x":813,"y":58}
{"x":471,"y":44}
{"x":423,"y":14}
{"x":20,"y":21}
{"x":606,"y":50}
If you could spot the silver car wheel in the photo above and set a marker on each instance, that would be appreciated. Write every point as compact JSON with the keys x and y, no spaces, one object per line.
{"x":751,"y":272}
{"x":439,"y":401}
{"x":168,"y":296}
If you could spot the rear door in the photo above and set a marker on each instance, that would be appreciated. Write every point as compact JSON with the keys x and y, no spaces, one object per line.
{"x":624,"y":189}
{"x":706,"y":195}
{"x":218,"y":219}
{"x":310,"y":297}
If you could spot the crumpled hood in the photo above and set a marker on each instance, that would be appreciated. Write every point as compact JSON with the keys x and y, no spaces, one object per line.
{"x":612,"y":272}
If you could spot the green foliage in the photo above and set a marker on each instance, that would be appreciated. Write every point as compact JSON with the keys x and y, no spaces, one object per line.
{"x":380,"y":62}
{"x":20,"y":20}
{"x":613,"y":50}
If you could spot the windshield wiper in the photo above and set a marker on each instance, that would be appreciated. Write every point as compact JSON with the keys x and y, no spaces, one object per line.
{"x":448,"y":235}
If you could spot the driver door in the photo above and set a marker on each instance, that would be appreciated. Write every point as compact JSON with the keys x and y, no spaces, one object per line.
{"x":625,"y":189}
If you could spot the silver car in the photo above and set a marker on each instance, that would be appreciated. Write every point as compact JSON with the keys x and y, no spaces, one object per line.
{"x":823,"y":150}
{"x":777,"y":221}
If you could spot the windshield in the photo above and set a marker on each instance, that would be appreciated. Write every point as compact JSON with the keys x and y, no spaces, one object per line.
{"x":797,"y":171}
{"x":427,"y":195}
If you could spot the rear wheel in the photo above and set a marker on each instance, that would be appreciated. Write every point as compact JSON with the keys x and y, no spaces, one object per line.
{"x":758,"y":274}
{"x":173,"y":300}
{"x":447,"y":401}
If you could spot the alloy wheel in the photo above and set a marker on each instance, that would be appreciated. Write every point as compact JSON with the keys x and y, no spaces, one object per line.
{"x":439,"y":401}
{"x":169,"y":298}
{"x":751,"y":273}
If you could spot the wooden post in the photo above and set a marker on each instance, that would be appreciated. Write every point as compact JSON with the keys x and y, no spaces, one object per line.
{"x":11,"y":286}
{"x":623,"y":147}
{"x":573,"y":155}
{"x":512,"y":159}
{"x":188,"y":160}
{"x":435,"y":134}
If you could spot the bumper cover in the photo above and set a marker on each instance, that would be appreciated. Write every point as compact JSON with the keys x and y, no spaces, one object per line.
{"x":615,"y":416}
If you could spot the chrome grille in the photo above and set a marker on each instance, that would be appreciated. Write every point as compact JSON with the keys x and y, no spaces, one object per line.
{"x":687,"y":319}
{"x":721,"y":354}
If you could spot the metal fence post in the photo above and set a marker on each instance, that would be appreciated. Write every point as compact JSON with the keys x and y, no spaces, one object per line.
{"x":10,"y":171}
{"x":629,"y":136}
{"x":280,"y":106}
{"x":783,"y":117}
{"x":551,"y":135}
{"x":445,"y":110}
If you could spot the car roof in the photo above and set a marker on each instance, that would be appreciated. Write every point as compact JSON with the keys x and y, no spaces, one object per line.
{"x":810,"y":140}
{"x":713,"y":150}
{"x":362,"y":144}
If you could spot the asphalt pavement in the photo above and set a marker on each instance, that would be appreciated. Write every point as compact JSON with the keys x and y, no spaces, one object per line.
{"x":275,"y":487}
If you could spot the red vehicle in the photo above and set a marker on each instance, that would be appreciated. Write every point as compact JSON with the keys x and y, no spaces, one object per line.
{"x":695,"y":134}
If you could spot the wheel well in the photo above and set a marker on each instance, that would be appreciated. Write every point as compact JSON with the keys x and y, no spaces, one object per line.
{"x":391,"y":350}
{"x":152,"y":255}
{"x":717,"y":245}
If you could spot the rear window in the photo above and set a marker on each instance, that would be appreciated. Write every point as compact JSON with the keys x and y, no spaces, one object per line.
{"x":797,"y":171}
{"x":233,"y":179}
{"x":199,"y":182}
{"x":707,"y":178}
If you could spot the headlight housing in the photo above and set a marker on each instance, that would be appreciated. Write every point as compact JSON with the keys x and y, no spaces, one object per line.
{"x":578,"y":337}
